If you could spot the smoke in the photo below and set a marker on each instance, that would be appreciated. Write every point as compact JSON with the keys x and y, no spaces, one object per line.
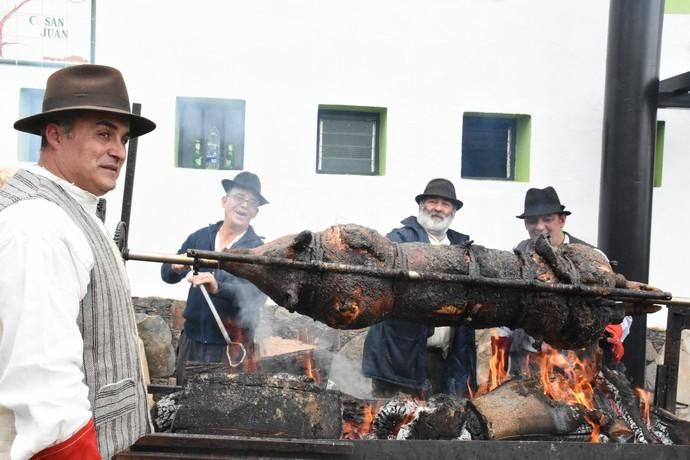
{"x":346,"y":376}
{"x":250,"y":300}
{"x":247,"y":297}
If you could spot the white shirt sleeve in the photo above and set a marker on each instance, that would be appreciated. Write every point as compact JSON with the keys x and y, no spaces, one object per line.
{"x":45,"y":271}
{"x":626,"y":324}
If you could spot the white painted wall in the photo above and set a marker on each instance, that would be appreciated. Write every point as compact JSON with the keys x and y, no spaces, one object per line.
{"x":426,"y":61}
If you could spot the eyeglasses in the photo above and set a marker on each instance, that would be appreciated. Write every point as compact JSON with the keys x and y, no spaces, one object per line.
{"x":535,"y":220}
{"x":238,"y":198}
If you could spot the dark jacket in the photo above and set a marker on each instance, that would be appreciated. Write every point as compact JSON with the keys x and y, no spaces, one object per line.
{"x":395,"y":350}
{"x":237,"y":299}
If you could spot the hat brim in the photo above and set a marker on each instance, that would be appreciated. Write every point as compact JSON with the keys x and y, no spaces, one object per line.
{"x":229,"y":183}
{"x":138,"y":125}
{"x":547,"y":213}
{"x":457,"y":203}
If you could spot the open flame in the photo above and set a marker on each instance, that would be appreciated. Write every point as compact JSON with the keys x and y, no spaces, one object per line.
{"x":360,"y":426}
{"x":568,"y":378}
{"x":564,"y":375}
{"x":309,"y":369}
{"x":308,"y":363}
{"x":645,"y":404}
{"x":498,"y":367}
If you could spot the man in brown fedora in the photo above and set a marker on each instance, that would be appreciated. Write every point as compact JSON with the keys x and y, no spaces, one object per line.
{"x":70,"y":370}
{"x":411,"y":357}
{"x":544,"y":215}
{"x":236,"y":300}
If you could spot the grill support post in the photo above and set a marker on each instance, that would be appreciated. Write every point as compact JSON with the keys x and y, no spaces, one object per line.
{"x":627,"y":167}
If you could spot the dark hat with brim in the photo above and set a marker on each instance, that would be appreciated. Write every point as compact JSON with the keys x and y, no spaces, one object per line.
{"x":442,"y":188}
{"x":542,"y":202}
{"x":85,"y":87}
{"x":247,"y":180}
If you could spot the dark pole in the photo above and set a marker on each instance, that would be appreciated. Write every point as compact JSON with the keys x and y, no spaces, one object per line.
{"x":627,"y":166}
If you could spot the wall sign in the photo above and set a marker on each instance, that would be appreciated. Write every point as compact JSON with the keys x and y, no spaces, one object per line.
{"x":46,"y":32}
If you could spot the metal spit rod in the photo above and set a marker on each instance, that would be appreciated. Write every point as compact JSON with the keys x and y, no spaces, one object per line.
{"x":213,"y":259}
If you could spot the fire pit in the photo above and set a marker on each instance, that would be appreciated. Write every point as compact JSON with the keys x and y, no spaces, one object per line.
{"x":219,"y":415}
{"x":160,"y":446}
{"x":286,"y":416}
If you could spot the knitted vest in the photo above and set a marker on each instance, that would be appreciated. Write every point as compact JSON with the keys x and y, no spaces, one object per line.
{"x":112,"y":366}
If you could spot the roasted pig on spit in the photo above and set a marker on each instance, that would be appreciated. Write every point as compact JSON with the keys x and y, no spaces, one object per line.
{"x":351,"y":299}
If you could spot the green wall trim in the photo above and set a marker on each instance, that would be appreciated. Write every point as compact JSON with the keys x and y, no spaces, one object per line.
{"x":677,"y":7}
{"x":659,"y":152}
{"x":383,"y":127}
{"x":522,"y":148}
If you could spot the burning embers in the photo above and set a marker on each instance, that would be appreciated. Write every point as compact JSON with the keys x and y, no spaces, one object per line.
{"x":559,"y":396}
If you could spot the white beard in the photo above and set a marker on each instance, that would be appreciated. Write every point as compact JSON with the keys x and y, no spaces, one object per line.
{"x":436,"y":224}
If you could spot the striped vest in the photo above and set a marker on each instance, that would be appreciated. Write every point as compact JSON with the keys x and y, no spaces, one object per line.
{"x":112,"y":367}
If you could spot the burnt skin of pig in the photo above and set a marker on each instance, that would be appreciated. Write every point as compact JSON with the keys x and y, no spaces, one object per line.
{"x":352,"y":301}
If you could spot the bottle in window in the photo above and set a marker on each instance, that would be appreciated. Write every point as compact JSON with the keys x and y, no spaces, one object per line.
{"x":229,"y":156}
{"x":197,"y":159}
{"x":212,"y":149}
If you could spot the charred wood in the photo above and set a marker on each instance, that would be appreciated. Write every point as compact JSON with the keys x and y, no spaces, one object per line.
{"x":287,"y":406}
{"x":519,"y":409}
{"x":628,"y":402}
{"x":281,"y":405}
{"x":358,"y":299}
{"x":668,"y":424}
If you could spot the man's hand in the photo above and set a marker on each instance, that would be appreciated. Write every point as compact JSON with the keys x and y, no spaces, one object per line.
{"x":623,"y":282}
{"x":614,"y":334}
{"x":179,"y":268}
{"x":206,"y":278}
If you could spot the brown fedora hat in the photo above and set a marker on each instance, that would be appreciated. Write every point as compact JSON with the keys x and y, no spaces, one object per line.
{"x":85,"y":87}
{"x":442,"y":188}
{"x":542,"y":202}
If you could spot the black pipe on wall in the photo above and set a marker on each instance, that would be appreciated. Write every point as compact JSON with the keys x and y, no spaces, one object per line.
{"x":627,"y":166}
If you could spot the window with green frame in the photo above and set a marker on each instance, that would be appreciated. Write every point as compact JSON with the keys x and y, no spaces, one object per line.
{"x":677,"y":7}
{"x":495,"y":146}
{"x":210,"y":133}
{"x":659,"y":152}
{"x":350,"y":140}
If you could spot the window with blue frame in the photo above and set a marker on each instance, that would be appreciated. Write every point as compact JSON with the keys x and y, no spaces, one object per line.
{"x":30,"y":103}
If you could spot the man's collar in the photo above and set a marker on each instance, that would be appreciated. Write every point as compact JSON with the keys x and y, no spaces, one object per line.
{"x":88,"y":200}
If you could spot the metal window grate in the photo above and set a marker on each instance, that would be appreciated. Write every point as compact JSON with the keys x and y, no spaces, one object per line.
{"x":347,"y":142}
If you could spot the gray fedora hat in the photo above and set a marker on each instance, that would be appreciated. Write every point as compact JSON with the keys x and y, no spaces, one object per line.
{"x":542,"y":202}
{"x":442,"y":188}
{"x":85,"y":87}
{"x":247,"y":180}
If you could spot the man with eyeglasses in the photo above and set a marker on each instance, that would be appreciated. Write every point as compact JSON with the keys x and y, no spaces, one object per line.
{"x":408,"y":357}
{"x":237,"y":300}
{"x":545,"y":215}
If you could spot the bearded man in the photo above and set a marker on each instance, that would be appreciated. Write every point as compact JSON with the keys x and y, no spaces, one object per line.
{"x":404,"y":356}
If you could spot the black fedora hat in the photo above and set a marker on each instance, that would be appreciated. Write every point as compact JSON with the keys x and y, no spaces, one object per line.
{"x":247,"y":180}
{"x":85,"y":87}
{"x":542,"y":202}
{"x":442,"y":188}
